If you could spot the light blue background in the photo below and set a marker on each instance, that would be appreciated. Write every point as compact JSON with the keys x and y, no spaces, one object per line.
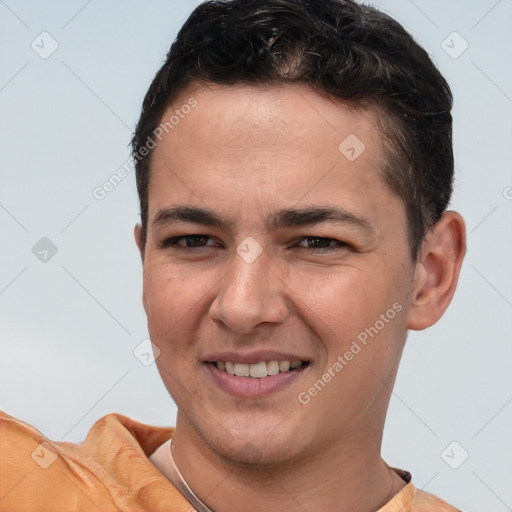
{"x":69,"y":326}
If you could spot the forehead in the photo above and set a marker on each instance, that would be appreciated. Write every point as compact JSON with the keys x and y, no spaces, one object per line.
{"x":256,"y":117}
{"x":253,"y":146}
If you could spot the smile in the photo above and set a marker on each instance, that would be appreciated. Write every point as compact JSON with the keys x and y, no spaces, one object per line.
{"x":258,"y":370}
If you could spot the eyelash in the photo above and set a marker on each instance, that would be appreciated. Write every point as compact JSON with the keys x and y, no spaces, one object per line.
{"x":172,"y":243}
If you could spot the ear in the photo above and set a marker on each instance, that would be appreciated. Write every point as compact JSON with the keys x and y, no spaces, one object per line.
{"x":437,"y":271}
{"x":137,"y":233}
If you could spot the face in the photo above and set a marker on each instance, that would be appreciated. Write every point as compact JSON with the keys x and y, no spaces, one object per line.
{"x":272,"y":240}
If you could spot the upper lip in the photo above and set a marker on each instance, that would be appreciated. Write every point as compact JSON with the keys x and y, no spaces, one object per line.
{"x":252,"y":357}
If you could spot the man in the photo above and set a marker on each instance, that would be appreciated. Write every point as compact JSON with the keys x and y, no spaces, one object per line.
{"x":294,"y":166}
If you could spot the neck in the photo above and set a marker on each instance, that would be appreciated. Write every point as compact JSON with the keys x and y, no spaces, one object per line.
{"x":348,"y":476}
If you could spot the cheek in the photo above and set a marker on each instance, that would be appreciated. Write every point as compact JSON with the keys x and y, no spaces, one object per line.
{"x":172,"y":302}
{"x":170,"y":299}
{"x":343,"y":301}
{"x":358,"y":313}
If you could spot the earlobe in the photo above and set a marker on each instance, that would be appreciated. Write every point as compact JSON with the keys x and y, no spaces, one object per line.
{"x":437,"y":271}
{"x":137,"y":233}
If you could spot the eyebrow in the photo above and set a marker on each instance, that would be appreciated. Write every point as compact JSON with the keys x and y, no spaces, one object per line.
{"x":277,"y":220}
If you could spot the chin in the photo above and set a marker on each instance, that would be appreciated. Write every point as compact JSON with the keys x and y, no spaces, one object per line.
{"x":265,"y":448}
{"x":258,"y":433}
{"x":257,"y":455}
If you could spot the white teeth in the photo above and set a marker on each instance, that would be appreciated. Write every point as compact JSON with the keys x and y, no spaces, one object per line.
{"x":272,"y":368}
{"x":242,"y":370}
{"x":284,"y":366}
{"x":257,"y":370}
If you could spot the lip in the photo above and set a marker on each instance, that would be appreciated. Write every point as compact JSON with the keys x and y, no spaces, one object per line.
{"x":250,"y":387}
{"x":252,"y":357}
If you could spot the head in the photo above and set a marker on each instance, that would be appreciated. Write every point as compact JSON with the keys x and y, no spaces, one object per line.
{"x":273,"y":124}
{"x":353,"y":54}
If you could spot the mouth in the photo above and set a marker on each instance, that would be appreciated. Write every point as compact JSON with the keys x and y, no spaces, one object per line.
{"x":256,"y":374}
{"x":259,"y":370}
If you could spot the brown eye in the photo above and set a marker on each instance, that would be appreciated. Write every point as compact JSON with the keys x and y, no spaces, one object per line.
{"x":319,"y":244}
{"x":186,"y":242}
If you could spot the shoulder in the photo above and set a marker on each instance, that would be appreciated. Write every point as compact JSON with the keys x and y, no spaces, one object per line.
{"x":411,"y":499}
{"x":18,"y":440}
{"x":110,"y":470}
{"x":39,"y":474}
{"x":426,"y":502}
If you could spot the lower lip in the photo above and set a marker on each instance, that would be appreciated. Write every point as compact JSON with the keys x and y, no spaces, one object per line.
{"x":251,"y":387}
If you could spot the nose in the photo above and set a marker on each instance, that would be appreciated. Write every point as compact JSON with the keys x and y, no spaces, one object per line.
{"x":250,"y":294}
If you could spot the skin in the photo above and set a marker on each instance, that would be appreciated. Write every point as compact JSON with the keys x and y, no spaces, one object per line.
{"x":246,"y":152}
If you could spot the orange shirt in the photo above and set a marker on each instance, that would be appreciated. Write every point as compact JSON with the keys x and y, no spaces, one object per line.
{"x":111,"y":471}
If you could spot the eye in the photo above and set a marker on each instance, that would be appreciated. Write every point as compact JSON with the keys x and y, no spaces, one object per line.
{"x":313,"y":244}
{"x":321,"y":244}
{"x":186,"y":242}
